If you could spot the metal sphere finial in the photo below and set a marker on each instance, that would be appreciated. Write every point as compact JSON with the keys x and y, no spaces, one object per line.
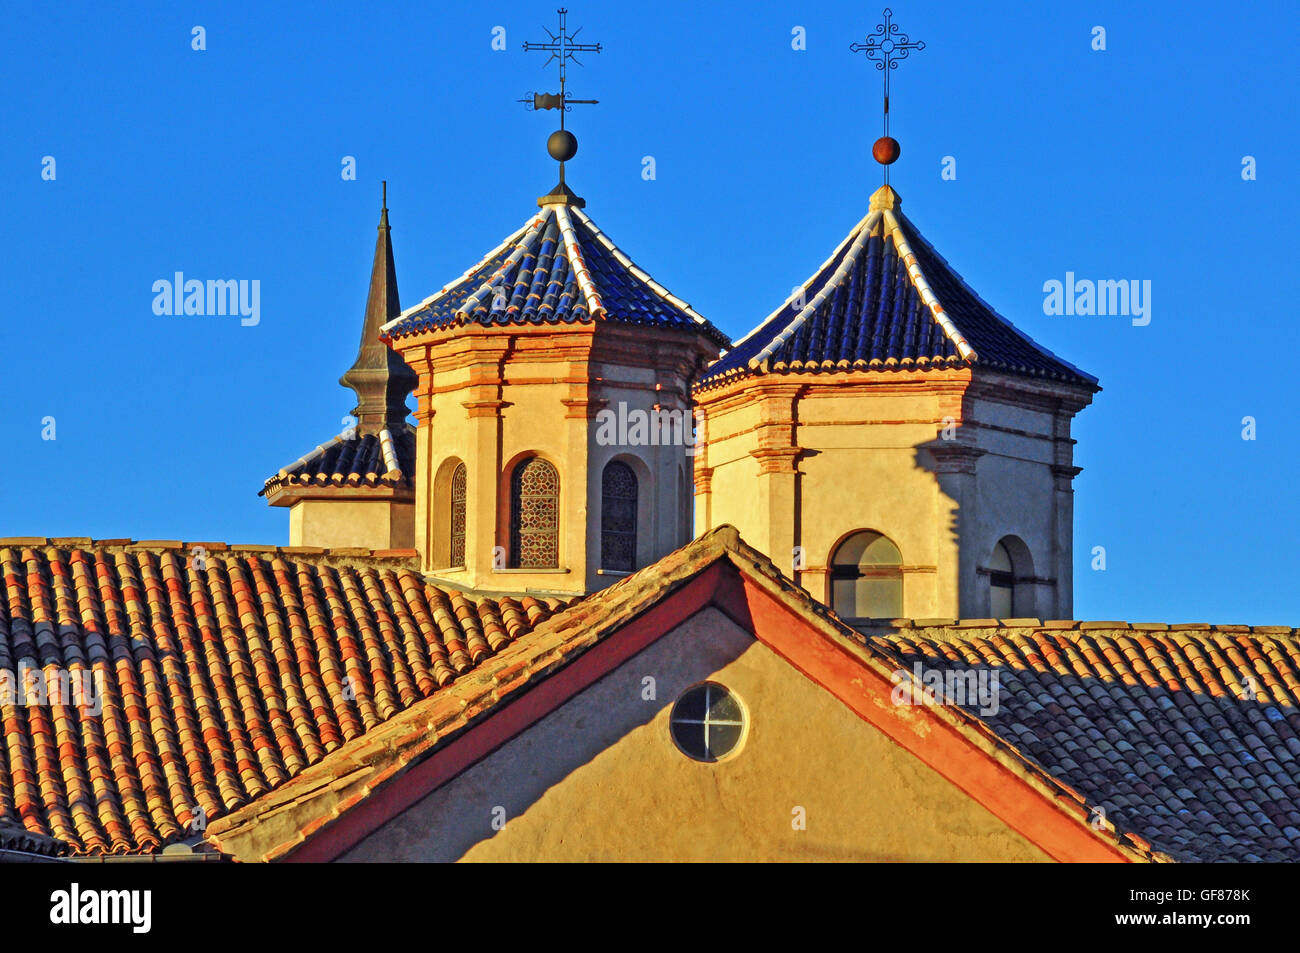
{"x":562,"y":145}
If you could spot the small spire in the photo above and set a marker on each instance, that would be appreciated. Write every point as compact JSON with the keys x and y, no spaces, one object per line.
{"x":379,"y":376}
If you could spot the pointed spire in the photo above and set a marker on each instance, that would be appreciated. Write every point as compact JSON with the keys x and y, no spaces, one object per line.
{"x":379,"y":376}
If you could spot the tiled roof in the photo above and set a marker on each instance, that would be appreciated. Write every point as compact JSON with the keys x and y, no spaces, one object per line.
{"x":886,"y":299}
{"x":317,"y":799}
{"x":1187,"y":735}
{"x":328,"y":791}
{"x":558,"y":268}
{"x":17,"y":840}
{"x":353,"y":459}
{"x":226,"y":672}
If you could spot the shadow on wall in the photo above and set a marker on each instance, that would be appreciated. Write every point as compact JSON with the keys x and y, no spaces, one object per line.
{"x":927,"y":456}
{"x":479,"y":805}
{"x":997,"y":576}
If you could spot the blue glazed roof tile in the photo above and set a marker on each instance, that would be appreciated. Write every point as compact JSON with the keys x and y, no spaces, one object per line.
{"x":886,"y":299}
{"x":558,"y":268}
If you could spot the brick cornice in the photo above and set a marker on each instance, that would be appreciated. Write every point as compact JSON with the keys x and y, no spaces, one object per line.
{"x":777,"y":459}
{"x":484,"y":408}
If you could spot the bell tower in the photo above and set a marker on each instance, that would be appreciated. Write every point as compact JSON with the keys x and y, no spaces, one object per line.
{"x":555,"y":431}
{"x":889,"y":439}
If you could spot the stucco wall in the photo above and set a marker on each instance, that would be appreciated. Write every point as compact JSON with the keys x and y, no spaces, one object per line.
{"x":373,"y":524}
{"x":492,"y":397}
{"x":600,"y":778}
{"x":872,"y":455}
{"x":1016,"y":496}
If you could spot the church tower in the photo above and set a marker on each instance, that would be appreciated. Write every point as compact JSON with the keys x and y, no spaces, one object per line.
{"x":554,"y":424}
{"x":555,"y":431}
{"x":894,"y":443}
{"x":888,"y":438}
{"x":357,"y":489}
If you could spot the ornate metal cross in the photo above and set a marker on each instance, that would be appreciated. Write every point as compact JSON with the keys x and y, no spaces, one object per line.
{"x":563,"y":47}
{"x":886,"y":47}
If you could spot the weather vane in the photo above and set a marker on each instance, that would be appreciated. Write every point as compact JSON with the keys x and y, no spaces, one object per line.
{"x":563,"y":47}
{"x":886,"y":47}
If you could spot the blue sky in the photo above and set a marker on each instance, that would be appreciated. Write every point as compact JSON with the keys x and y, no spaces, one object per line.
{"x":225,"y":163}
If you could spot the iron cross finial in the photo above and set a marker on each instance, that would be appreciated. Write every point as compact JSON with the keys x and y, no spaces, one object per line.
{"x":563,"y":47}
{"x":886,"y":47}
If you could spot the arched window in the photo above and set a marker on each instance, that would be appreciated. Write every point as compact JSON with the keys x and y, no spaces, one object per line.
{"x":456,"y":549}
{"x":618,"y":517}
{"x":1010,"y":574}
{"x":867,"y":578}
{"x":535,"y":515}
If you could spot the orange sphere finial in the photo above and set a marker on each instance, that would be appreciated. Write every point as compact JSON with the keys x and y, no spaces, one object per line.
{"x":886,"y":150}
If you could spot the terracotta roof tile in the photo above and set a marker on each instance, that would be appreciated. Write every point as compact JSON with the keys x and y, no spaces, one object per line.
{"x":224,"y":675}
{"x":1185,"y":735}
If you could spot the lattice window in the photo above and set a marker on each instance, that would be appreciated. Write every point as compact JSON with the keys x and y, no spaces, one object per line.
{"x":535,"y":516}
{"x":618,"y":490}
{"x":457,"y":549}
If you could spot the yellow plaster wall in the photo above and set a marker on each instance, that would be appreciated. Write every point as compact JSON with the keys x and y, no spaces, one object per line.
{"x":865,"y":464}
{"x":492,"y":397}
{"x":373,"y":524}
{"x":600,"y":778}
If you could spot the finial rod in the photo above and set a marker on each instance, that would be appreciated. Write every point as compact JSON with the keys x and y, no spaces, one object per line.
{"x":563,"y":47}
{"x":885,"y":47}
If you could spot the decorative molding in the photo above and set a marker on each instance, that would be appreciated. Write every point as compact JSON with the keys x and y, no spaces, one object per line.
{"x":777,"y":459}
{"x":484,"y":408}
{"x":954,"y":457}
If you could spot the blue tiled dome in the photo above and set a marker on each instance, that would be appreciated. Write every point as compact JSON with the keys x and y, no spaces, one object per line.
{"x":886,"y":299}
{"x":558,"y":268}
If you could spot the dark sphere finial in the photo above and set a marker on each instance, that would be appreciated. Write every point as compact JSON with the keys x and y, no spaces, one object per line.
{"x":562,"y":145}
{"x":886,"y":150}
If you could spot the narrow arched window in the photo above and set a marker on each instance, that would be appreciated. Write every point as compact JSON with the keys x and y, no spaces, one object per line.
{"x":1011,"y":580}
{"x":618,"y":489}
{"x":457,"y":521}
{"x":1002,"y":584}
{"x":535,"y":515}
{"x":867,"y":578}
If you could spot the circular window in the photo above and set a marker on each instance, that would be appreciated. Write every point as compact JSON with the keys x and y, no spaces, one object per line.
{"x":707,"y":722}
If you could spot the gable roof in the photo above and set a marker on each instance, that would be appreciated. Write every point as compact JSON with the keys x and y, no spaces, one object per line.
{"x":1188,"y":735}
{"x":336,"y":802}
{"x":886,"y":299}
{"x":294,"y":690}
{"x":385,"y":458}
{"x":559,"y":268}
{"x":226,"y":672}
